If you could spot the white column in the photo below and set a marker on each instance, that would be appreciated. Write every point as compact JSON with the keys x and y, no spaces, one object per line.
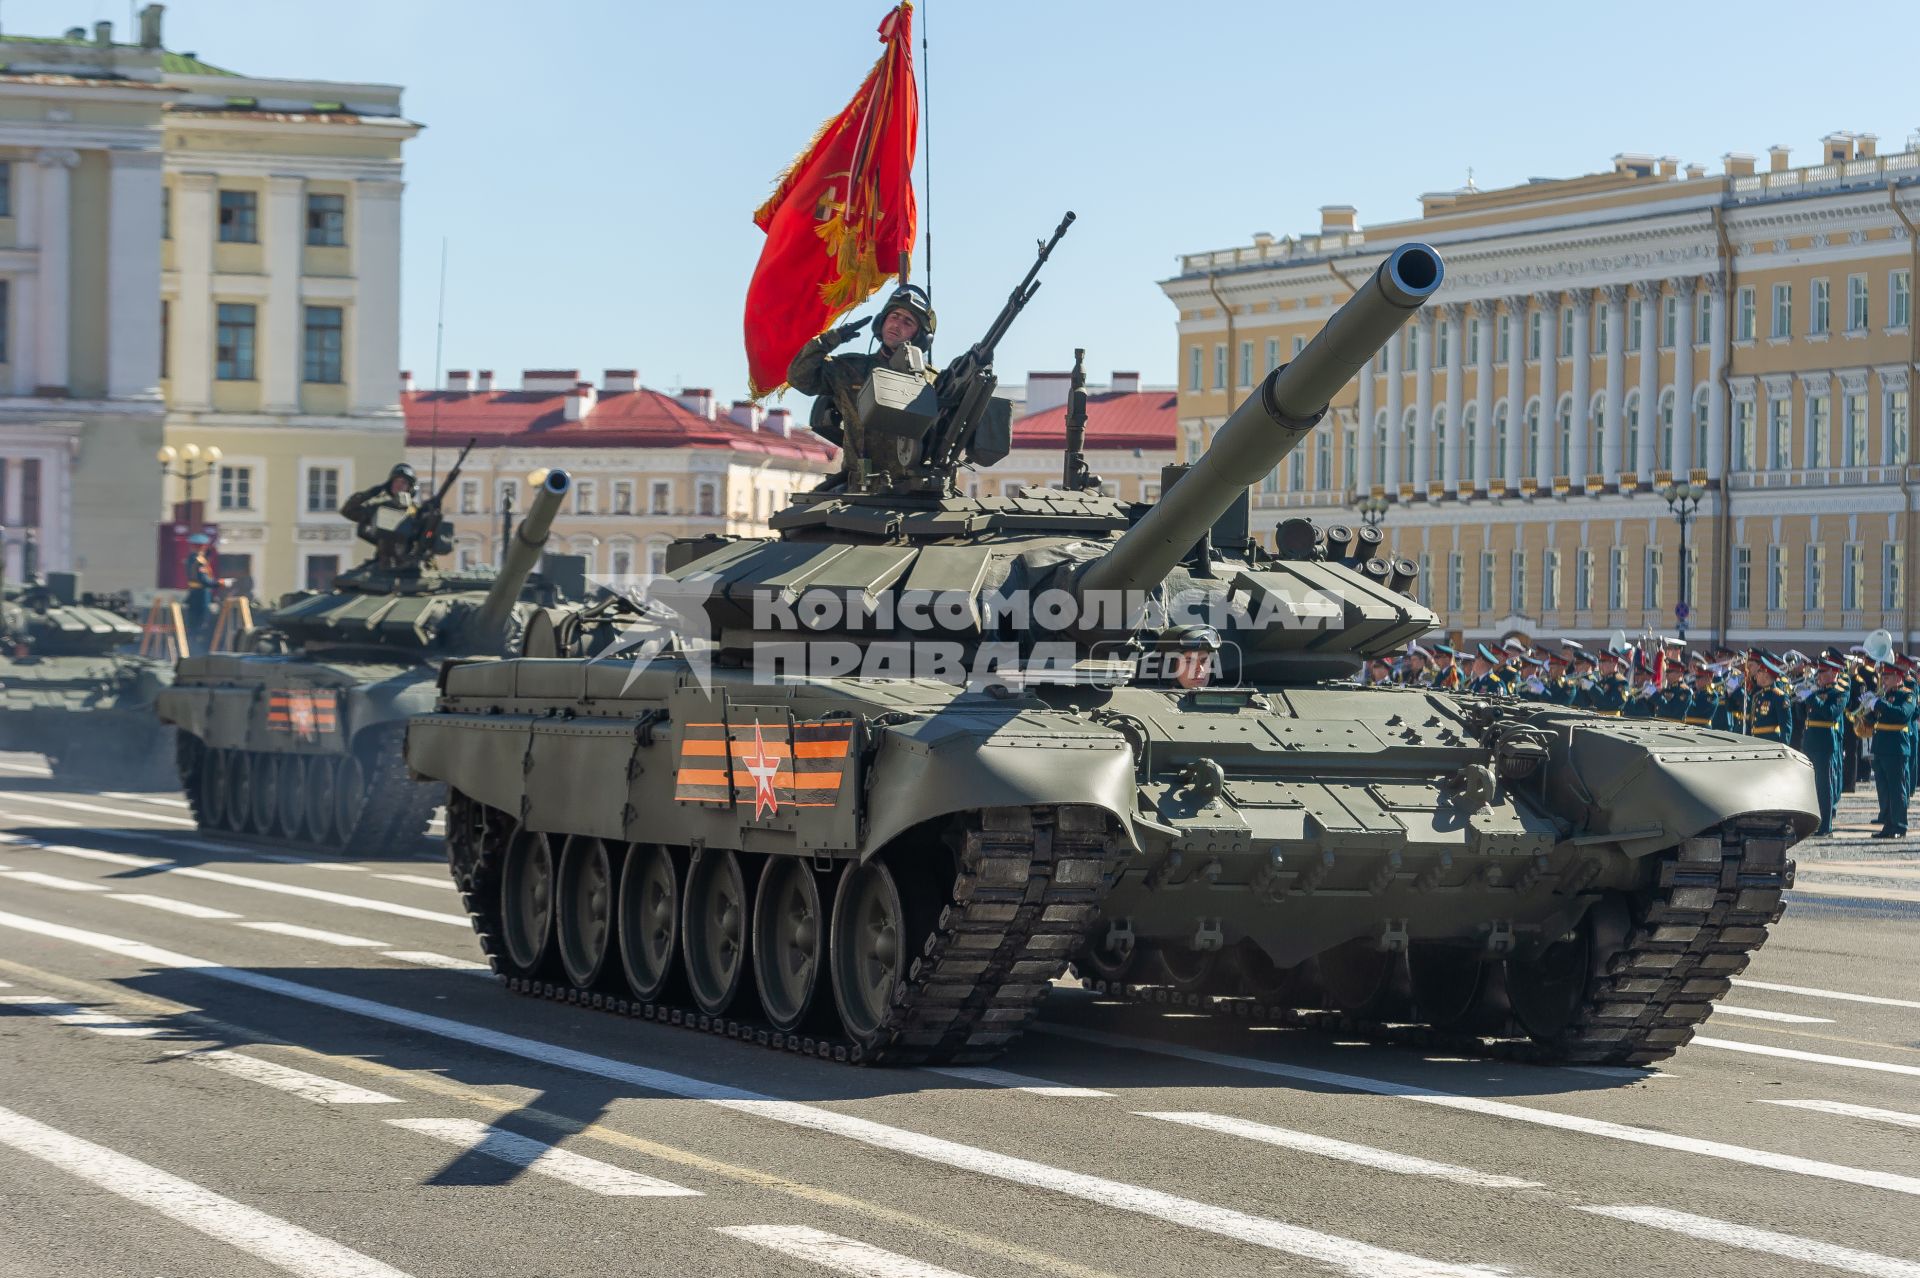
{"x":1364,"y":463}
{"x":1682,"y":377}
{"x":1396,"y":445}
{"x":56,"y":265}
{"x":1549,"y":304}
{"x":190,"y":360}
{"x":1613,"y":425}
{"x":1642,"y":461}
{"x":373,"y":374}
{"x":1579,"y":465}
{"x":133,"y":274}
{"x":281,"y":356}
{"x":1484,"y":312}
{"x":1716,"y":298}
{"x":1516,"y":392}
{"x":1423,"y":404}
{"x":1456,"y":392}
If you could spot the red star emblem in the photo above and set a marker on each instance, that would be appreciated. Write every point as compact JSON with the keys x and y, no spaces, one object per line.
{"x":762,"y":767}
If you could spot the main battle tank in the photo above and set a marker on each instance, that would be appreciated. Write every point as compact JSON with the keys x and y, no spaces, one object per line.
{"x":297,"y":738}
{"x":72,"y":689}
{"x":898,"y":801}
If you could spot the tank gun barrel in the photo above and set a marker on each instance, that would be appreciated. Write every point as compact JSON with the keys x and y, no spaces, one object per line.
{"x":488,"y":628}
{"x":1269,"y":425}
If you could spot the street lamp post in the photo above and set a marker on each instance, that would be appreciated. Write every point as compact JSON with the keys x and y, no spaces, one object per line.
{"x":1683,"y":499}
{"x":185,"y":469}
{"x":1372,"y":510}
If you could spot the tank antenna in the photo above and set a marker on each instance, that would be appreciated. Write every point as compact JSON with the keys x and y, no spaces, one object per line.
{"x":439,"y":342}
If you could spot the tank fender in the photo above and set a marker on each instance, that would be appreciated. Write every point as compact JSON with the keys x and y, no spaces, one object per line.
{"x":953,"y":762}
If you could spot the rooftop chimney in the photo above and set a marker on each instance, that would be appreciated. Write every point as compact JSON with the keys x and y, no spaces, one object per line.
{"x":1337,"y":219}
{"x":1738,"y":163}
{"x":1696,"y":171}
{"x":1262,"y":239}
{"x":1046,"y":390}
{"x":103,"y":34}
{"x":579,"y":402}
{"x":1777,"y":156}
{"x":779,"y":422}
{"x":483,"y":381}
{"x":1669,"y":165}
{"x":1126,"y":383}
{"x":549,"y":379}
{"x":1866,"y":146}
{"x":1635,"y":163}
{"x":1837,"y":147}
{"x":620,"y":379}
{"x":406,"y":381}
{"x":150,"y":26}
{"x":697,"y":400}
{"x":457,"y":380}
{"x":745,"y":413}
{"x":76,"y":33}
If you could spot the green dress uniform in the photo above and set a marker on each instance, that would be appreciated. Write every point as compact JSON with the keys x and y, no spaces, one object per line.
{"x":1826,"y":720}
{"x":1488,"y":685}
{"x":1706,"y":709}
{"x":1671,"y":703}
{"x":1606,"y":695}
{"x":1642,"y":704}
{"x":1892,"y":720}
{"x":1770,"y":714}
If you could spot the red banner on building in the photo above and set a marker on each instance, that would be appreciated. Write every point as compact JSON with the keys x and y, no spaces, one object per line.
{"x":841,"y":216}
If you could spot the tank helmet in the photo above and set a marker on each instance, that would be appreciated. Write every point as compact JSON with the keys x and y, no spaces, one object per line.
{"x":912,"y":299}
{"x":401,"y":470}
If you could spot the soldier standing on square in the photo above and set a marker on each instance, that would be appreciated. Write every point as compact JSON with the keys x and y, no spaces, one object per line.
{"x":1825,"y":705}
{"x":1890,"y":715}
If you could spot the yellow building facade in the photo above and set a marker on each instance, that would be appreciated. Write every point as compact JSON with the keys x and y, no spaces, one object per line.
{"x":1596,"y":338}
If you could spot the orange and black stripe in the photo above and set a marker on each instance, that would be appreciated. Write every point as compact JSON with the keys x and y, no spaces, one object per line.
{"x":286,"y":707}
{"x":810,"y":758}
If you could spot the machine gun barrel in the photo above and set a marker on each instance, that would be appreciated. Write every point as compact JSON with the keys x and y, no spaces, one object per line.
{"x":1269,"y":425}
{"x":487,"y":631}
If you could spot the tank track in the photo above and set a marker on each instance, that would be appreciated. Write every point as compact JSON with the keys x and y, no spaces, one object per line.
{"x":397,"y":808}
{"x":1693,"y":931}
{"x":1025,"y":892}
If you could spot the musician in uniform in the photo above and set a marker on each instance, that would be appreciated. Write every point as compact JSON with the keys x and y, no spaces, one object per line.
{"x":1824,"y":709}
{"x":1769,"y":710}
{"x":1484,"y":679}
{"x":1705,"y":709}
{"x":1606,"y":693}
{"x":1446,"y":670}
{"x":1643,"y":702}
{"x":1889,"y":715}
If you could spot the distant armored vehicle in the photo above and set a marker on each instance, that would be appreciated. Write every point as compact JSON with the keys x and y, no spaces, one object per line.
{"x":946,"y":745}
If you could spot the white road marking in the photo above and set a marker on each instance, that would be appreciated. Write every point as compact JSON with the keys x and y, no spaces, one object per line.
{"x":51,"y":880}
{"x":1503,"y":1109}
{"x":1812,"y":1058}
{"x":446,"y":962}
{"x":281,"y":858}
{"x":1344,"y":1151}
{"x":172,"y":906}
{"x":316,"y":934}
{"x":1363,"y":1260}
{"x":77,"y":806}
{"x":831,"y":1251}
{"x":278,"y":1242}
{"x":544,"y":1159}
{"x":1786,"y":1246}
{"x":1845,"y":1110}
{"x":1856,"y":891}
{"x":1013,"y":1082}
{"x":1761,"y":1014}
{"x":418,"y":880}
{"x":36,"y":819}
{"x":313,"y":1087}
{"x":131,"y":797}
{"x":1811,"y":992}
{"x":259,"y":885}
{"x":25,"y":769}
{"x":85,"y":1017}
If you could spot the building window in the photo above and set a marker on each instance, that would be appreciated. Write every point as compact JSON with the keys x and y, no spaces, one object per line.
{"x":1857,"y":317}
{"x":1600,"y":330}
{"x":1193,"y":368}
{"x":1220,"y":368}
{"x":1743,"y":434}
{"x":1407,"y":475}
{"x":1852,"y":576}
{"x":1486,"y":581}
{"x":1454,"y":585}
{"x":1702,"y":412}
{"x":321,"y":570}
{"x":583,"y":497}
{"x":1744,"y":315}
{"x":236,"y":488}
{"x":1563,"y":437}
{"x":623,"y":496}
{"x":1296,"y":471}
{"x":1246,"y":363}
{"x":1703,"y":320}
{"x":1782,"y":311}
{"x":1413,"y":344}
{"x":1664,"y":444}
{"x":1897,"y":429}
{"x":1636,"y":309}
{"x":166,"y":330}
{"x":1820,"y":311}
{"x":1743,"y":577}
{"x":1437,"y":454}
{"x":239,"y":217}
{"x":469,"y":496}
{"x":1443,"y":348}
{"x":323,"y":488}
{"x":325,"y":327}
{"x":1193,"y":444}
{"x":1893,"y":576}
{"x":1616,"y":578}
{"x":1549,"y":583}
{"x":1776,"y":578}
{"x":6,"y":308}
{"x":1273,"y":353}
{"x":1323,"y":462}
{"x":1536,"y":325}
{"x":1473,"y":341}
{"x":1780,"y":433}
{"x":1630,"y":446}
{"x":1504,"y":337}
{"x":1349,"y":476}
{"x":1669,"y":320}
{"x":657,"y":557}
{"x":660,"y":498}
{"x":1815,"y":589}
{"x":1690,"y":572}
{"x":1531,"y":461}
{"x":326,"y":220}
{"x":1501,"y":431}
{"x":1819,"y":419}
{"x":1426,"y":581}
{"x":1469,"y":445}
{"x":1582,"y":579}
{"x":1517,"y":583}
{"x":1853,"y":429}
{"x":1899,"y":298}
{"x":1650,"y":579}
{"x":6,"y":189}
{"x":1566,"y":333}
{"x":233,"y":352}
{"x":620,"y":560}
{"x":1299,"y":344}
{"x":507,"y":495}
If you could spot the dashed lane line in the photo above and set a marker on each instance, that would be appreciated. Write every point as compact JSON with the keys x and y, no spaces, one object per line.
{"x":418,"y":880}
{"x":445,"y":962}
{"x":1811,"y":1058}
{"x":128,"y":796}
{"x":1343,"y":1151}
{"x":1012,"y":1082}
{"x":297,"y":1082}
{"x":74,"y":805}
{"x":86,"y":1018}
{"x":543,"y":1159}
{"x":1846,"y":1110}
{"x":187,"y":908}
{"x":316,"y":934}
{"x":1503,"y":1109}
{"x":1838,"y":995}
{"x":280,"y":1243}
{"x":1363,"y":1260}
{"x":1785,"y":1246}
{"x":1762,"y":1014}
{"x":831,"y":1251}
{"x":51,"y":880}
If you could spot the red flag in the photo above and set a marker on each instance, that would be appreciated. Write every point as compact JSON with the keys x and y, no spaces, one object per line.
{"x":841,"y":216}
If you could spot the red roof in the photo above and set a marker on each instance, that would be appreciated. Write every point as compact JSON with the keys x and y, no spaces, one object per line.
{"x":619,"y":419}
{"x":1116,"y":419}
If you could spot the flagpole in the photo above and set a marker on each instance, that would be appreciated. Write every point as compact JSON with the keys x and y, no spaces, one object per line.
{"x":926,"y":132}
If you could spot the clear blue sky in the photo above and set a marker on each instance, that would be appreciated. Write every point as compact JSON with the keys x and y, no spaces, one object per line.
{"x":594,"y":164}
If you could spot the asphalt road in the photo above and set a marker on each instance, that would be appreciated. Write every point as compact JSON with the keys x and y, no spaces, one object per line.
{"x":215,"y":1062}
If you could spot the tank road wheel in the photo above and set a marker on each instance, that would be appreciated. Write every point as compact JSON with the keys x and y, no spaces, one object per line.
{"x":789,"y":941}
{"x":211,"y":790}
{"x":1101,"y":960}
{"x":1456,"y":988}
{"x":1363,"y":980}
{"x":1548,"y":992}
{"x":649,"y":926}
{"x":349,"y":797}
{"x":526,"y":904}
{"x":265,"y":790}
{"x":867,"y":949}
{"x":713,"y":931}
{"x":290,"y":780}
{"x":321,"y":772}
{"x":1184,"y":968}
{"x":239,"y":767}
{"x":585,"y":910}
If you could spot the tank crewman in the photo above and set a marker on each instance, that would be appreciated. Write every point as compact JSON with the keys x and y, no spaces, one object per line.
{"x":1890,"y":714}
{"x":1186,"y":656}
{"x":907,"y":320}
{"x":1607,"y":693}
{"x":1484,"y":679}
{"x":1446,"y":667}
{"x":1824,"y":711}
{"x":382,"y":514}
{"x":1769,"y":709}
{"x":1705,"y":709}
